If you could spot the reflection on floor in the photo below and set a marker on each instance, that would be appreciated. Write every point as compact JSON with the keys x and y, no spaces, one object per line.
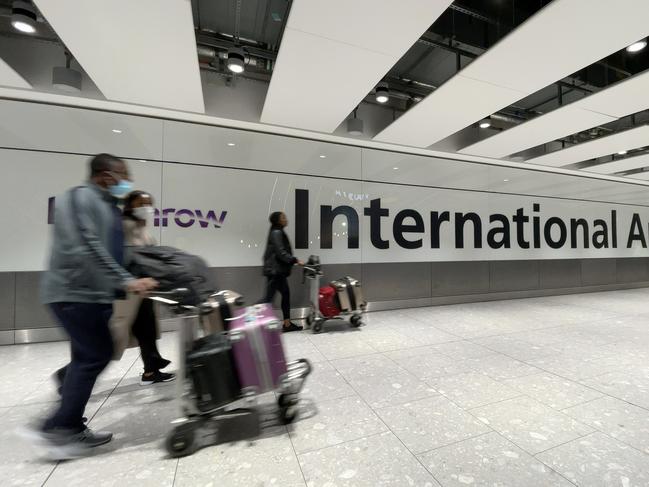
{"x":536,"y":392}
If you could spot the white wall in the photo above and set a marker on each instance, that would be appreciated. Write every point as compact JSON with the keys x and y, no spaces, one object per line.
{"x":192,"y":167}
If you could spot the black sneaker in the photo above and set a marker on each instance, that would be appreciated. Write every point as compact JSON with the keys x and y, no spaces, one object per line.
{"x":291,"y":327}
{"x":163,"y":362}
{"x":63,"y":445}
{"x":156,"y":377}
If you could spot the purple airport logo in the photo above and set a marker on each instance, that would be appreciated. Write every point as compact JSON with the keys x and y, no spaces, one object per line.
{"x":183,"y":217}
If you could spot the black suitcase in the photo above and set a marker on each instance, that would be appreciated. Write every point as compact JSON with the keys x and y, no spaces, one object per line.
{"x":211,"y":367}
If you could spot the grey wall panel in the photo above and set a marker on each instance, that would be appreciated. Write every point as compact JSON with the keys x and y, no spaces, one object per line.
{"x":517,"y":275}
{"x":7,"y":300}
{"x":30,"y":313}
{"x":247,"y":281}
{"x":596,"y":272}
{"x":387,"y":282}
{"x":456,"y":278}
{"x":632,"y":270}
{"x":559,"y":273}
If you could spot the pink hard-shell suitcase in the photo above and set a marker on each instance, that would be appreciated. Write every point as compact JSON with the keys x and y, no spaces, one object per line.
{"x":256,"y":338}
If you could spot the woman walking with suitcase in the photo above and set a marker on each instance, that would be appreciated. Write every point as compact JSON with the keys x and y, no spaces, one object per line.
{"x":278,"y":263}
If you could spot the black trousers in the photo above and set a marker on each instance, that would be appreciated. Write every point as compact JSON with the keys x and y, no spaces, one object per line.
{"x":275,"y":284}
{"x":144,"y":330}
{"x":92,"y":349}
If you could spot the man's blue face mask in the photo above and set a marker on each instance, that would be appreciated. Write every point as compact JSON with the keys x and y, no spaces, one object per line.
{"x":122,"y":188}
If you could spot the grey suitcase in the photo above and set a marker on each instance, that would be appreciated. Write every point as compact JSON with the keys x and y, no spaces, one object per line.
{"x":225,"y":306}
{"x":350,"y":294}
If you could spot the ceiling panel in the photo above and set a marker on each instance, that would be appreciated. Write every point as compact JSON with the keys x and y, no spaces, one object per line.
{"x":611,"y":144}
{"x":621,"y":99}
{"x":447,"y":117}
{"x":527,"y":60}
{"x":640,"y":175}
{"x":626,"y":164}
{"x":332,"y":56}
{"x":141,"y":52}
{"x":9,"y":77}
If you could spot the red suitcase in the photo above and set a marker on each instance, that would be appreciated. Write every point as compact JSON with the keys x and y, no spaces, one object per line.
{"x":328,"y":302}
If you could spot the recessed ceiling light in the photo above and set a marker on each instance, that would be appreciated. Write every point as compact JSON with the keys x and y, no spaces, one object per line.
{"x":621,"y":153}
{"x":322,"y":156}
{"x":637,"y":46}
{"x":23,"y":17}
{"x":231,"y":144}
{"x":395,"y":168}
{"x":236,"y":60}
{"x":117,"y":131}
{"x":382,"y":94}
{"x":485,"y":124}
{"x":505,"y":180}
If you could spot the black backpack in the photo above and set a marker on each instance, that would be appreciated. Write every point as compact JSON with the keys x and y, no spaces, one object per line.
{"x":173,"y":269}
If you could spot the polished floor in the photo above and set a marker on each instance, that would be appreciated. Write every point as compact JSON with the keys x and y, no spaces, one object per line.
{"x":537,"y":392}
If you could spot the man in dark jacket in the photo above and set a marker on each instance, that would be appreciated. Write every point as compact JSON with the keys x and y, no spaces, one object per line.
{"x":278,"y":263}
{"x":85,"y":275}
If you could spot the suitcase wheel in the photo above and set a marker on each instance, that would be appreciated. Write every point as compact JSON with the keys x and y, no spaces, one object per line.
{"x":317,"y":326}
{"x":355,"y":321}
{"x":181,"y":441}
{"x":287,"y":408}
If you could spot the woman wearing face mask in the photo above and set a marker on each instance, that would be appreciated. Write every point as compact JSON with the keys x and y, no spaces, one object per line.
{"x":134,"y":318}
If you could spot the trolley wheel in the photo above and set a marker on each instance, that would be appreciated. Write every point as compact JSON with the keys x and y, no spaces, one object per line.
{"x":287,"y":404}
{"x":317,"y":326}
{"x":355,"y":321}
{"x":310,"y":318}
{"x":181,"y":441}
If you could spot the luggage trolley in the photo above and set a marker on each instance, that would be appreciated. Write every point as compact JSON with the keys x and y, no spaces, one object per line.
{"x":208,"y":379}
{"x":341,"y":300}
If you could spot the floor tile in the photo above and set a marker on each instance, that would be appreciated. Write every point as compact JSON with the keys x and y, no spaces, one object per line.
{"x":553,"y":391}
{"x":375,"y":365}
{"x":599,"y":461}
{"x":335,"y":422}
{"x":325,"y":383}
{"x":266,"y":462}
{"x":500,"y":367}
{"x":426,"y":363}
{"x":489,"y":460}
{"x":631,"y":386}
{"x":379,"y":460}
{"x":384,"y":391}
{"x":616,"y":418}
{"x":472,"y":389}
{"x":341,"y":345}
{"x":531,"y":425}
{"x":430,"y":423}
{"x":462,"y":350}
{"x":144,"y":464}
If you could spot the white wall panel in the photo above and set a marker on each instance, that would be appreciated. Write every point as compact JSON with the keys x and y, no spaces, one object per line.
{"x":63,"y":129}
{"x":209,"y":145}
{"x":611,"y":144}
{"x":642,"y":175}
{"x":626,"y":164}
{"x":30,"y":179}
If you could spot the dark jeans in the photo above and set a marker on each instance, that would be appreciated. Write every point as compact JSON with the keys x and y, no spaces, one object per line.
{"x":279,"y":283}
{"x":91,"y":349}
{"x":144,"y":330}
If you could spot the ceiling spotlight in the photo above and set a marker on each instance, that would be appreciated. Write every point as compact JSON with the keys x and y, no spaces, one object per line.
{"x":395,"y":168}
{"x":382,"y":93}
{"x":485,"y":124}
{"x":231,"y":144}
{"x":322,"y":156}
{"x":236,"y":60}
{"x":637,"y":46}
{"x":621,"y":153}
{"x":505,"y":180}
{"x":23,"y":17}
{"x":65,"y":78}
{"x":354,"y":126}
{"x":117,"y":131}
